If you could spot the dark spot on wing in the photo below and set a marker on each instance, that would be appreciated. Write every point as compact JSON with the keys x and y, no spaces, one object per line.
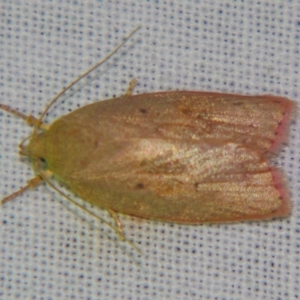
{"x":186,"y":111}
{"x":238,"y":103}
{"x":140,"y":186}
{"x":143,"y":110}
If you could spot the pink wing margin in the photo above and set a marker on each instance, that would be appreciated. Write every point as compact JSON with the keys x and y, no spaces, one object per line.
{"x":283,"y":126}
{"x":282,"y":137}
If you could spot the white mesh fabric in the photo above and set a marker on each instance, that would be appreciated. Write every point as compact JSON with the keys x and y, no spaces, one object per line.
{"x":48,"y":252}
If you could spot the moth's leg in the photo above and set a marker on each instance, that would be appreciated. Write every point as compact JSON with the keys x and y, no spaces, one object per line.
{"x":131,"y":87}
{"x":118,"y":222}
{"x":32,"y":183}
{"x":31,"y":120}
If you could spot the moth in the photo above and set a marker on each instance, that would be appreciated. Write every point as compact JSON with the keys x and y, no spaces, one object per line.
{"x":179,"y":156}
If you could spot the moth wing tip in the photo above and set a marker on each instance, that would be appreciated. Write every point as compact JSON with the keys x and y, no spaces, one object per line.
{"x":286,"y":204}
{"x":290,"y":110}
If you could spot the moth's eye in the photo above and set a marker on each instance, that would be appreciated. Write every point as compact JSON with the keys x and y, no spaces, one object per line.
{"x":42,"y":159}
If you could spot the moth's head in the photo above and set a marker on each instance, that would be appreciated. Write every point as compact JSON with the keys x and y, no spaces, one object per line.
{"x":35,"y":148}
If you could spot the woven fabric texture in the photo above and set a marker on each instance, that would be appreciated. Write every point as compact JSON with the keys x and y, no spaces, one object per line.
{"x":49,"y":249}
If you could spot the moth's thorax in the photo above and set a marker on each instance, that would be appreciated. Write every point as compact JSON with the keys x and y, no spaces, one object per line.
{"x":37,"y":146}
{"x":66,"y":146}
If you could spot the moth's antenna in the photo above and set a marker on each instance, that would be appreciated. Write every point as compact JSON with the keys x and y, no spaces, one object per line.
{"x":80,"y":77}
